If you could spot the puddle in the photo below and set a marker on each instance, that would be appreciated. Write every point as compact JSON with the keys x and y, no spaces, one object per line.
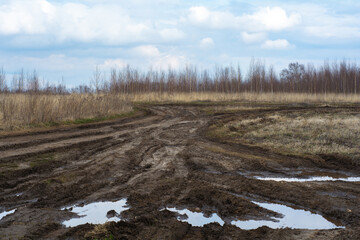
{"x":292,"y":218}
{"x":310,"y":179}
{"x":96,"y":213}
{"x":5,"y":213}
{"x":196,"y":219}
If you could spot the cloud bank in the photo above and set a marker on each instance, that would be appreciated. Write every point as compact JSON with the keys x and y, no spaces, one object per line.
{"x":71,"y":37}
{"x":69,"y":21}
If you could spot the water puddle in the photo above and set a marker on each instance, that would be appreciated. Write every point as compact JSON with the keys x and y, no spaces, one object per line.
{"x":292,"y":218}
{"x":196,"y":219}
{"x":5,"y":213}
{"x":96,"y":213}
{"x":310,"y":179}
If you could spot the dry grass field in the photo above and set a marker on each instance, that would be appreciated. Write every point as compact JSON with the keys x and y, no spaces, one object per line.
{"x":326,"y":132}
{"x":25,"y":110}
{"x":246,"y":97}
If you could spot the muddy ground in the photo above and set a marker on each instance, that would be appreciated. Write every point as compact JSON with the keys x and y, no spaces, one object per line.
{"x":164,"y":156}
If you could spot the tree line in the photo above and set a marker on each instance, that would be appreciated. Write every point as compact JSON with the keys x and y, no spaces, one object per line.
{"x":336,"y":77}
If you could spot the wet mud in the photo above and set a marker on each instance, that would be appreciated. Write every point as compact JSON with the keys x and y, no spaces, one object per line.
{"x":162,"y":161}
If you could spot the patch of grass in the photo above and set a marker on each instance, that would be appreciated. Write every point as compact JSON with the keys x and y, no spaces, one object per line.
{"x":8,"y":166}
{"x":302,"y":133}
{"x":215,"y":131}
{"x":41,"y":160}
{"x":110,"y":237}
{"x":78,"y":121}
{"x":98,"y":119}
{"x":100,"y":232}
{"x":67,"y":177}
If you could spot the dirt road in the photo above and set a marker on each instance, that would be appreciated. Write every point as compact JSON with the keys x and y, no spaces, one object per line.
{"x":163,"y":158}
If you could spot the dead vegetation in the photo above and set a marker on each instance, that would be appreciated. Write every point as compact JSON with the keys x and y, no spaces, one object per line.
{"x":302,"y":133}
{"x":321,"y":134}
{"x":245,"y":97}
{"x":25,"y":110}
{"x":33,"y":109}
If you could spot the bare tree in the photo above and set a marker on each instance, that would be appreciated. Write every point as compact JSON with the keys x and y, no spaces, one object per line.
{"x":293,"y":75}
{"x":95,"y":80}
{"x":272,"y":78}
{"x":33,"y":82}
{"x":3,"y":87}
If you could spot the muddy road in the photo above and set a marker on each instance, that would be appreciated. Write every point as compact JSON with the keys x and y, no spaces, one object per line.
{"x":160,"y":160}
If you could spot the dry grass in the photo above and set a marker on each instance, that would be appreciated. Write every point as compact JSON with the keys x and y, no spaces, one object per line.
{"x":246,"y":97}
{"x":314,"y":133}
{"x":24,"y":110}
{"x":99,"y":232}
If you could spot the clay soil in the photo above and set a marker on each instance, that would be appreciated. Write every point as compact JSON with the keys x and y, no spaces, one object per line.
{"x":167,"y":156}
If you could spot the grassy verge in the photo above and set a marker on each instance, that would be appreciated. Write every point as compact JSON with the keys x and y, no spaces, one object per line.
{"x":90,"y":120}
{"x":42,"y":126}
{"x":19,"y":111}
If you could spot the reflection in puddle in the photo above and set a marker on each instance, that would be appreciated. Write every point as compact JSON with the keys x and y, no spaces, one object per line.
{"x":97,"y":213}
{"x":3,"y":214}
{"x":311,"y":179}
{"x":196,"y":219}
{"x":293,"y":218}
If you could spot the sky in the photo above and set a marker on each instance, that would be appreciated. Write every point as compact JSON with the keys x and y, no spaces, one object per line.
{"x":68,"y":39}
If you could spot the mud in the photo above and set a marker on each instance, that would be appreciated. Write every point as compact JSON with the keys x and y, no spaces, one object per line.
{"x":165,"y":158}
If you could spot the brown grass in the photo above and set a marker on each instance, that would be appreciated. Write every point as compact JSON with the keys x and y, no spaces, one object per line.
{"x":302,"y":133}
{"x":246,"y":97}
{"x":24,"y":110}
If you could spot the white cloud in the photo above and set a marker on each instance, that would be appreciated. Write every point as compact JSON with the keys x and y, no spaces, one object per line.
{"x":146,"y":51}
{"x":26,"y":17}
{"x":265,"y":19}
{"x":206,"y":43}
{"x":109,"y":24}
{"x":321,"y":23}
{"x":253,"y":37}
{"x":328,"y":22}
{"x":199,"y":15}
{"x":148,"y":55}
{"x":276,"y":44}
{"x":202,"y":16}
{"x":165,"y":61}
{"x":113,"y":63}
{"x":275,"y":19}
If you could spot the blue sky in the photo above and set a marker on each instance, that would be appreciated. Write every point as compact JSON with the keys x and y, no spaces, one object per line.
{"x":70,"y":38}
